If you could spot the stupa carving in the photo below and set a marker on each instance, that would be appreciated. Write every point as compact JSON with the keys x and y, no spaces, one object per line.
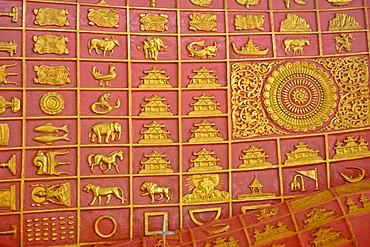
{"x":256,"y":188}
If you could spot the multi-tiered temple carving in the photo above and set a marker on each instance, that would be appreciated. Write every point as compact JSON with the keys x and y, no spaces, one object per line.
{"x":204,"y":161}
{"x":154,"y":79}
{"x":270,"y":233}
{"x":326,"y":236}
{"x":205,"y":132}
{"x":318,"y":216}
{"x":154,"y":134}
{"x":352,"y":205}
{"x":302,"y":155}
{"x":254,"y":157}
{"x":155,"y":107}
{"x":351,"y":148}
{"x":205,"y":106}
{"x":203,"y":79}
{"x":256,"y":190}
{"x":155,"y":164}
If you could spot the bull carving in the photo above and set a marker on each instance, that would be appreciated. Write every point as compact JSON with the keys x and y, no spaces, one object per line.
{"x":295,"y":45}
{"x":105,"y":44}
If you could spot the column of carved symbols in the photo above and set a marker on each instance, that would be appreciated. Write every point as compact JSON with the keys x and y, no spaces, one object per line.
{"x":105,"y":195}
{"x":155,"y":122}
{"x":205,"y":181}
{"x":12,"y":113}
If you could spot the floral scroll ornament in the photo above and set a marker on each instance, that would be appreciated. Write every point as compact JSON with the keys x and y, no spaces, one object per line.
{"x":248,"y":117}
{"x":351,"y":77}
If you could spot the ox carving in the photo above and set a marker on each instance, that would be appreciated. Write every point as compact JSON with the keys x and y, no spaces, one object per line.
{"x":105,"y":128}
{"x":295,"y":45}
{"x":151,"y":47}
{"x":105,"y":44}
{"x":204,"y":51}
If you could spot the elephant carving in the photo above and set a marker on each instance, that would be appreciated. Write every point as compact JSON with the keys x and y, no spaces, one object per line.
{"x":108,"y":129}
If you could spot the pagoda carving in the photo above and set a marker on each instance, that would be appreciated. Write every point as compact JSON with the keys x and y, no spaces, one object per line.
{"x":223,"y":242}
{"x":204,"y":78}
{"x":204,"y":161}
{"x":318,"y":216}
{"x":303,"y":155}
{"x":326,"y":236}
{"x":352,"y":205}
{"x":155,"y":164}
{"x":154,"y":79}
{"x":271,"y":233}
{"x":351,"y":147}
{"x":256,"y":188}
{"x":155,"y":107}
{"x":205,"y":132}
{"x":154,"y":134}
{"x":254,"y":157}
{"x":205,"y":106}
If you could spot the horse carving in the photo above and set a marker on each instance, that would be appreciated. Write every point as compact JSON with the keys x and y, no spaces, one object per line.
{"x":100,"y":159}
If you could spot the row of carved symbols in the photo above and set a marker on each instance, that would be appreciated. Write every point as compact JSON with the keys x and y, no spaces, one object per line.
{"x":203,"y":49}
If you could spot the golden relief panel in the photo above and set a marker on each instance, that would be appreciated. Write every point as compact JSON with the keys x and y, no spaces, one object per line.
{"x":126,"y":119}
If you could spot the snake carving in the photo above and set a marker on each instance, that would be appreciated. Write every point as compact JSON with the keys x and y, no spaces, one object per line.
{"x":104,"y":104}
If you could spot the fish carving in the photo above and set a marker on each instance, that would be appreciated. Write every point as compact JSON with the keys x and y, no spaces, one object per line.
{"x":49,"y":139}
{"x":50,"y":128}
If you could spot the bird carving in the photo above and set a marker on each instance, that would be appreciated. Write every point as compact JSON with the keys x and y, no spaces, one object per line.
{"x":104,"y":78}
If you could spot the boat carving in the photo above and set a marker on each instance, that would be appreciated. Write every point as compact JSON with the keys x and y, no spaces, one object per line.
{"x":250,"y":49}
{"x":351,"y":179}
{"x":339,"y":2}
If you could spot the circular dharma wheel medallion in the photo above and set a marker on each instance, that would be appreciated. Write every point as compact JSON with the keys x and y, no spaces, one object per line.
{"x":52,"y":103}
{"x":300,"y":96}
